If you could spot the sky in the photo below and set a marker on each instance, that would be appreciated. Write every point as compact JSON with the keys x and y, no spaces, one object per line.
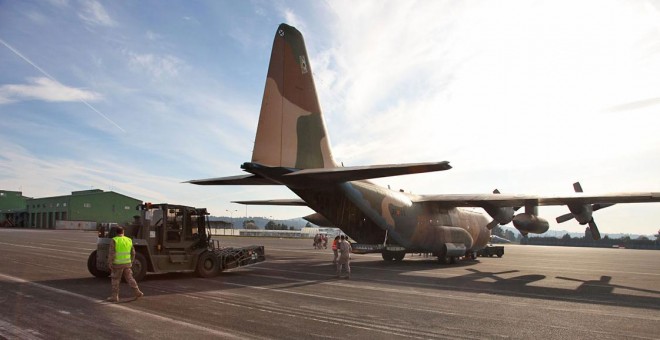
{"x":523,"y":96}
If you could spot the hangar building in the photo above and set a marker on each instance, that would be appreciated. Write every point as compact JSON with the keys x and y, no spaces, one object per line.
{"x":13,"y":212}
{"x":80,"y":210}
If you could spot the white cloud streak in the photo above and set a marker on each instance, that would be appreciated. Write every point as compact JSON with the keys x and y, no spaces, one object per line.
{"x":156,"y":66}
{"x":93,"y":13}
{"x":45,"y":89}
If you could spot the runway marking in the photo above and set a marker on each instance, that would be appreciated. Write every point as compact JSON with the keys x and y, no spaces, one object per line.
{"x":461,"y":330}
{"x":337,"y":320}
{"x":139,"y":313}
{"x":45,"y":248}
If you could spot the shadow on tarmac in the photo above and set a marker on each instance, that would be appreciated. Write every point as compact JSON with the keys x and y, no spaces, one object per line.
{"x":291,"y":272}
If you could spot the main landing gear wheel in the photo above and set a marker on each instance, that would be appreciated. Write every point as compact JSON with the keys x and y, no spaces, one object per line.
{"x":390,"y":256}
{"x":399,"y":255}
{"x":447,"y":259}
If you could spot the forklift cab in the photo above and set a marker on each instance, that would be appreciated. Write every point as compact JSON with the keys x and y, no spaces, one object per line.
{"x":176,"y":226}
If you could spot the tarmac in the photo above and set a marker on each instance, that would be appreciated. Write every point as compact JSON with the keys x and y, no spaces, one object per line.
{"x":543,"y":292}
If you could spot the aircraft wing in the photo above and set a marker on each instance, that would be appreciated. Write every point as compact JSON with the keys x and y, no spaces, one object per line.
{"x":355,"y":173}
{"x":507,"y":200}
{"x":284,"y":202}
{"x":234,"y":180}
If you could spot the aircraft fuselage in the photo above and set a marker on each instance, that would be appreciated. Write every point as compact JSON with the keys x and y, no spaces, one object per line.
{"x":373,"y":214}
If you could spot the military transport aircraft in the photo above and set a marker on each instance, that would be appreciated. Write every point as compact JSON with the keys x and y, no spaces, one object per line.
{"x":292,"y":149}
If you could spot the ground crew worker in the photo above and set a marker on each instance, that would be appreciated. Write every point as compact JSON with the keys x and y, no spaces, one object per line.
{"x":120,"y":260}
{"x":335,"y":249}
{"x":344,"y":256}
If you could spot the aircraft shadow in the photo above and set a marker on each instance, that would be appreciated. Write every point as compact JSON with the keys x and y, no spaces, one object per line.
{"x":599,"y":290}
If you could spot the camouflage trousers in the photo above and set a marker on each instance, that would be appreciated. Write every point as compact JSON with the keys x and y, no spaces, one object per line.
{"x":343,"y":262}
{"x":122,"y":270}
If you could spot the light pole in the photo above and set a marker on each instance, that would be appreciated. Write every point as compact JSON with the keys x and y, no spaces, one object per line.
{"x":231,"y":217}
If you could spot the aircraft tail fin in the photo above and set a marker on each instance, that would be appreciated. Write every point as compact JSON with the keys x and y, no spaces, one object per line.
{"x":291,"y":131}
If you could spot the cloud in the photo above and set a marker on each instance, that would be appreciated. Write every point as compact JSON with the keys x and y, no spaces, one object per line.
{"x":636,"y":105}
{"x":45,"y":89}
{"x":94,"y":13}
{"x":155,"y":65}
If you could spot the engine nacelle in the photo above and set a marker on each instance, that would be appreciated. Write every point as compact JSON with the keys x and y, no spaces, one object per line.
{"x":530,"y":223}
{"x":582,"y":213}
{"x":502,"y":215}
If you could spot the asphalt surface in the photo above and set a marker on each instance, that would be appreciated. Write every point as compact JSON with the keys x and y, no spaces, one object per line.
{"x":46,"y":292}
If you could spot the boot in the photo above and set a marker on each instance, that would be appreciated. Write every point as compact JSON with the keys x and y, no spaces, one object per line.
{"x":114,"y":297}
{"x":138,"y":293}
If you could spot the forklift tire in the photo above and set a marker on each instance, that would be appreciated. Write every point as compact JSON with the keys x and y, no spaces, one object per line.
{"x":139,"y":267}
{"x":208,"y":265}
{"x":91,"y":266}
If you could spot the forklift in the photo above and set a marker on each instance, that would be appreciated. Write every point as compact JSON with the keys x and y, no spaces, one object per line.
{"x":172,"y":238}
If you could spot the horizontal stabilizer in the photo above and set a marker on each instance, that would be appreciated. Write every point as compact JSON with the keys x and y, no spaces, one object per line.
{"x":234,"y":180}
{"x":346,"y":174}
{"x":284,"y":202}
{"x":319,"y":220}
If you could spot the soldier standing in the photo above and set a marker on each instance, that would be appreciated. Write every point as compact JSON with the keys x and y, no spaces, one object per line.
{"x":120,"y":260}
{"x":344,"y":256}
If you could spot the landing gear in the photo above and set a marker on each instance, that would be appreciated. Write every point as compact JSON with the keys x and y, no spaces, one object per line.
{"x":447,"y":259}
{"x":390,"y":256}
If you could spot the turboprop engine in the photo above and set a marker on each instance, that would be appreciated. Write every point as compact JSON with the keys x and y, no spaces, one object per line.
{"x":500,"y":215}
{"x":530,"y":223}
{"x":583,"y":213}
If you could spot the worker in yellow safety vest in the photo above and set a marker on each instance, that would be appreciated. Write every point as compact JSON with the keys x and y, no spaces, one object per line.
{"x":120,"y":261}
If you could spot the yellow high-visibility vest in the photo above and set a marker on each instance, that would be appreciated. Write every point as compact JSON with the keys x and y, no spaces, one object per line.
{"x":123,"y":247}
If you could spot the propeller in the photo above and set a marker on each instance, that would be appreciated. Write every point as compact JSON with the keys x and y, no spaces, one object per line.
{"x":502,"y":215}
{"x":583,"y":213}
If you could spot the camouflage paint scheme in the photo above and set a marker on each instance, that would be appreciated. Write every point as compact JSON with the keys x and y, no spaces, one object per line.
{"x":292,"y":149}
{"x":292,"y":134}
